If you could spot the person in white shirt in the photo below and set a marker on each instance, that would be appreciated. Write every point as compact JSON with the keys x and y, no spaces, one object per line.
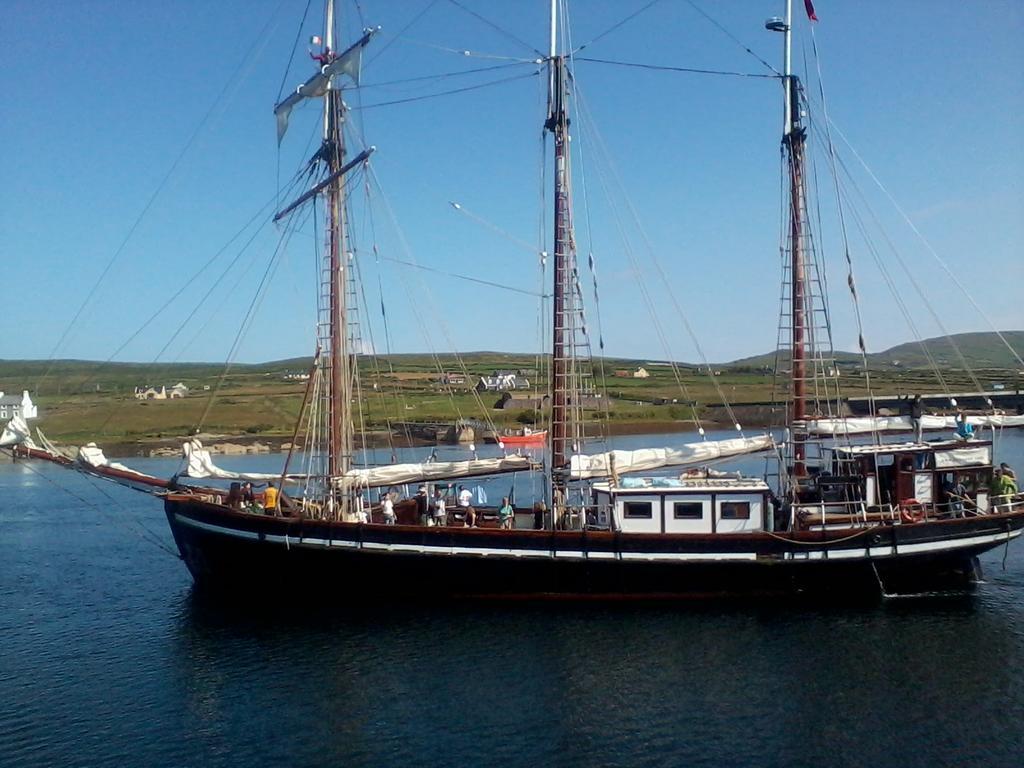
{"x":440,"y":512}
{"x":388,"y":507}
{"x":465,"y":496}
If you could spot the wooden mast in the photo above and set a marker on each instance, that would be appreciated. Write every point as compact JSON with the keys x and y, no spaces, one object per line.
{"x":558,"y":124}
{"x":339,"y":437}
{"x":793,"y":139}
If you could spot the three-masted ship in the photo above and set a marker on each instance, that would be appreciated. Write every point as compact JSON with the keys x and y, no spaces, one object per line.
{"x":842,"y":516}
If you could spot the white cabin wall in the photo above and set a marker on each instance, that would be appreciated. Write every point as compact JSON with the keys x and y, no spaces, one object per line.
{"x":688,"y":525}
{"x":754,"y":523}
{"x":639,"y":524}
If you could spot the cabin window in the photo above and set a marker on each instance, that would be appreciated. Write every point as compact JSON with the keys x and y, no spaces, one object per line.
{"x":735,"y":510}
{"x":637,"y":509}
{"x":688,"y":510}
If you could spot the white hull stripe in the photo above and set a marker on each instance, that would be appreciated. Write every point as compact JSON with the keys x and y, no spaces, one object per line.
{"x":814,"y":554}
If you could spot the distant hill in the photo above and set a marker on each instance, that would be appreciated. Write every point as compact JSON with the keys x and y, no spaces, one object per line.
{"x":980,"y":350}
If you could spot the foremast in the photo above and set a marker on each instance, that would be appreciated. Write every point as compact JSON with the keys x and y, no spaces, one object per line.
{"x":331,"y":422}
{"x":337,"y":360}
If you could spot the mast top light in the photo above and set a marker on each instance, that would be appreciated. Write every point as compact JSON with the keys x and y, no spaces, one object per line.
{"x":776,"y":24}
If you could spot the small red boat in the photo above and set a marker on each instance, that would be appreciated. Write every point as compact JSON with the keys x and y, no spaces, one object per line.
{"x":526,"y":439}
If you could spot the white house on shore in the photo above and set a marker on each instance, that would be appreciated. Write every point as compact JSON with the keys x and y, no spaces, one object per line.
{"x":502,"y":381}
{"x":150,"y":393}
{"x":174,"y":392}
{"x":12,"y":405}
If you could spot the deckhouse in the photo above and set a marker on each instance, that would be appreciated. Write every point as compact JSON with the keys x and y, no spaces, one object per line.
{"x":684,"y":505}
{"x":902,"y":473}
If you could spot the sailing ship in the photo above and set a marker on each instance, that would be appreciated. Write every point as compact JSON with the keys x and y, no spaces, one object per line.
{"x":842,"y":516}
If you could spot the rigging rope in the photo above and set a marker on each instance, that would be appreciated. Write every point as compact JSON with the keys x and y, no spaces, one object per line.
{"x":144,"y":533}
{"x":663,"y":281}
{"x":731,"y":36}
{"x":247,"y":320}
{"x":440,"y":75}
{"x":233,"y":82}
{"x":496,"y":27}
{"x":592,"y":266}
{"x":614,"y":27}
{"x":942,"y":263}
{"x":850,"y":279}
{"x":295,"y":45}
{"x":493,"y":227}
{"x":667,"y":68}
{"x":917,"y":288}
{"x":452,"y":92}
{"x":479,"y":281}
{"x":423,"y":325}
{"x":402,"y":31}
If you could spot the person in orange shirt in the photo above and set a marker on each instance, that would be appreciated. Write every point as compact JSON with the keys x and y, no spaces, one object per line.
{"x":270,"y":500}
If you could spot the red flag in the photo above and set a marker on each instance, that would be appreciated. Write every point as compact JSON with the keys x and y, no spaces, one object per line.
{"x":809,"y":6}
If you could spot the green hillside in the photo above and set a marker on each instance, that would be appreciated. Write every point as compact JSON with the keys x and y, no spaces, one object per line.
{"x":980,"y":350}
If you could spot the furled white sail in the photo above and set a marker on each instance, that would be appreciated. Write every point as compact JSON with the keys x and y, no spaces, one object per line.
{"x":348,"y":63}
{"x":861,"y":424}
{"x":400,"y":474}
{"x":200,"y":464}
{"x":16,"y":432}
{"x":91,"y":455}
{"x":53,"y":450}
{"x":583,"y":467}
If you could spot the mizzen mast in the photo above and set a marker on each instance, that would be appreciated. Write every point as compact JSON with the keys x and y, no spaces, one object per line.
{"x":559,"y":438}
{"x":801,"y":340}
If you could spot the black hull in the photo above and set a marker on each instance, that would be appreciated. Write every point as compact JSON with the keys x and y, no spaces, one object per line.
{"x":229,"y":550}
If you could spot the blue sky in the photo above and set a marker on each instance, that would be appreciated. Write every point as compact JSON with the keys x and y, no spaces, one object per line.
{"x":101,"y":99}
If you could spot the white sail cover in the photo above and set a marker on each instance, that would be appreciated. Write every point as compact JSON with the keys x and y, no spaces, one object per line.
{"x":583,"y":467}
{"x":348,"y":63}
{"x":861,"y":424}
{"x":199,"y":464}
{"x":431,"y":471}
{"x":91,"y":455}
{"x":16,"y":433}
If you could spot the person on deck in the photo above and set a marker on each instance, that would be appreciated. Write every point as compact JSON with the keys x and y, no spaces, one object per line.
{"x":1008,"y":471}
{"x":964,"y":429}
{"x":465,"y":496}
{"x":506,"y":514}
{"x":916,"y":412}
{"x":540,"y":509}
{"x":953,"y":494}
{"x":248,"y":497}
{"x":440,"y":510}
{"x":422,"y":506}
{"x":234,"y":497}
{"x":270,"y":505}
{"x":1004,"y":488}
{"x":388,"y":509}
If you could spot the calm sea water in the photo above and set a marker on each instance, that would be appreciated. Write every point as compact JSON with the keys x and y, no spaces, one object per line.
{"x":108,"y":657}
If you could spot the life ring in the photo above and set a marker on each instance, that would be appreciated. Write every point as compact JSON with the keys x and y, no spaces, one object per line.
{"x":911,"y":511}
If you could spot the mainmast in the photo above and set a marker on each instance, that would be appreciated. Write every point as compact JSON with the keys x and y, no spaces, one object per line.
{"x":558,"y":124}
{"x":793,"y":138}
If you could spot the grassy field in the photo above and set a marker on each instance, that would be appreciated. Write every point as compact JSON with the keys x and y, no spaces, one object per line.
{"x":81,"y":400}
